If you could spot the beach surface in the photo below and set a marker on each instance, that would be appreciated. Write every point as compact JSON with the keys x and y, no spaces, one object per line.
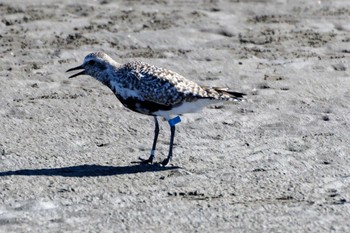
{"x":278,"y":162}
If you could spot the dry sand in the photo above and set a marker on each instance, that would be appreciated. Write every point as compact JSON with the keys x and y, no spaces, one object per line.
{"x":277,"y":163}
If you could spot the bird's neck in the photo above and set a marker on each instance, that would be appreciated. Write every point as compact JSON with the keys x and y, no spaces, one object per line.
{"x":108,"y":76}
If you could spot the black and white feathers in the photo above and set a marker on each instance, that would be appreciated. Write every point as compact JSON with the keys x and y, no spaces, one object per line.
{"x":152,"y":90}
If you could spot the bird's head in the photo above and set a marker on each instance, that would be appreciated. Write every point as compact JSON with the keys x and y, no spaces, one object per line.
{"x":95,"y":65}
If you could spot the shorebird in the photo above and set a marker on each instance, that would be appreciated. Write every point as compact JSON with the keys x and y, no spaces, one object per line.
{"x":153,"y":91}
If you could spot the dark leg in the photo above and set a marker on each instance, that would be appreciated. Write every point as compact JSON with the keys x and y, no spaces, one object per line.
{"x":156,"y":132}
{"x":170,"y":155}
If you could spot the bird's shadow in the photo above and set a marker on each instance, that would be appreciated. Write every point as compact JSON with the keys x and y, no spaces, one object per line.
{"x":87,"y":170}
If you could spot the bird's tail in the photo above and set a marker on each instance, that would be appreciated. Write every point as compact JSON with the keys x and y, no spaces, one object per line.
{"x":223,"y":93}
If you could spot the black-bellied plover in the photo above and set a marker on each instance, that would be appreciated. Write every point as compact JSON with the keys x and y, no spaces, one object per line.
{"x":153,"y":91}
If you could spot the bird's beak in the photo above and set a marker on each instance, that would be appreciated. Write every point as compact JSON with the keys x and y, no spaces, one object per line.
{"x":77,"y":68}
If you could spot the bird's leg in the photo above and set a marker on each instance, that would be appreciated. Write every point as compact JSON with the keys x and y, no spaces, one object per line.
{"x":156,"y":132}
{"x":172,"y":124}
{"x":170,"y":155}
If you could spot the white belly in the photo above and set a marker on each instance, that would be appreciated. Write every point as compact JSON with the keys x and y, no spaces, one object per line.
{"x":186,"y":107}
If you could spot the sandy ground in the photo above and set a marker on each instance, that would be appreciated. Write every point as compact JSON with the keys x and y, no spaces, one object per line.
{"x":277,"y":163}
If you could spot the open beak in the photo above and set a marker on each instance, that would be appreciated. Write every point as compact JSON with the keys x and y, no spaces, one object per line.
{"x":77,"y":68}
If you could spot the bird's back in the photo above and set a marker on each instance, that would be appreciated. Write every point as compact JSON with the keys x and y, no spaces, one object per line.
{"x":166,"y":87}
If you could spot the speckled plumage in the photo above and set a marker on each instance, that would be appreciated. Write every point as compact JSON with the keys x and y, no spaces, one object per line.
{"x":165,"y":86}
{"x":152,"y":90}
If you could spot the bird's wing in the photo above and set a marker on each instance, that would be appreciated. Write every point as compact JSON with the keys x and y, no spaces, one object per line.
{"x":160,"y":85}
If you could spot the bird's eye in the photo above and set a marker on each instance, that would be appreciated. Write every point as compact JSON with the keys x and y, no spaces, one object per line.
{"x":91,"y":62}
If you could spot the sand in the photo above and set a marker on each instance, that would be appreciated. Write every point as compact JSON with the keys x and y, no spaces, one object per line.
{"x":279,"y":162}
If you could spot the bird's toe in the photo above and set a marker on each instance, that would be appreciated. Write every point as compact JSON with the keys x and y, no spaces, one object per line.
{"x":165,"y":162}
{"x":145,"y":161}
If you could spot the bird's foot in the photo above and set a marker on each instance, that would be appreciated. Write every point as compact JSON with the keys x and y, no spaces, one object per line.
{"x":165,"y":162}
{"x":144,"y":161}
